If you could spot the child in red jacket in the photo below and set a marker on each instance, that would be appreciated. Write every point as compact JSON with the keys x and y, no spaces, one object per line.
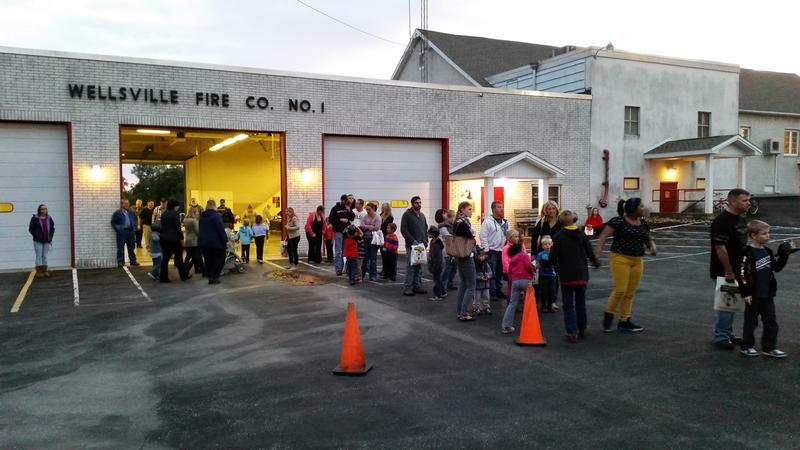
{"x":352,"y":241}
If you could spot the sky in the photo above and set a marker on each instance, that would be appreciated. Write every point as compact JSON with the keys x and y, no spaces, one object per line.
{"x":287,"y":35}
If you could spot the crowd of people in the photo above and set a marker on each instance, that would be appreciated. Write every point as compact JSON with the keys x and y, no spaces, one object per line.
{"x":353,"y":233}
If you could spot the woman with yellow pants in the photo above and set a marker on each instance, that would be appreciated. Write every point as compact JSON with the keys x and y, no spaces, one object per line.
{"x":631,"y":235}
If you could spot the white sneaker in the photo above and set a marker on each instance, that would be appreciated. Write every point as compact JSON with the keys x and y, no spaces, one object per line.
{"x":775,"y":354}
{"x":434,"y":299}
{"x":152,"y":277}
{"x":749,"y":352}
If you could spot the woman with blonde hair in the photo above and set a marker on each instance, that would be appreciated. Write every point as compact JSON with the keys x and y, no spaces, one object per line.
{"x":292,"y":237}
{"x":548,"y":225}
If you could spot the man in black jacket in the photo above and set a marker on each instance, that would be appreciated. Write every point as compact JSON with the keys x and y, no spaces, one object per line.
{"x":414,"y":228}
{"x":212,"y":239}
{"x":340,"y":217}
{"x":171,"y":238}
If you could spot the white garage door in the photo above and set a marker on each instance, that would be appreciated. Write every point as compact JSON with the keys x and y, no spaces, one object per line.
{"x":34,"y":169}
{"x":384,"y":170}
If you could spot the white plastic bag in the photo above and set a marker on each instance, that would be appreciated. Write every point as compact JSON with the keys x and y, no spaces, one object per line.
{"x":726,"y":296}
{"x":589,"y":231}
{"x":284,"y":248}
{"x":377,"y":238}
{"x":419,"y":255}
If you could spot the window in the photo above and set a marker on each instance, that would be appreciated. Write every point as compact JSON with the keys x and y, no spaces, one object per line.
{"x":630,"y":184}
{"x":744,"y":132}
{"x":553,"y":193}
{"x":790,"y":142}
{"x":700,"y":183}
{"x":631,"y":121}
{"x":703,"y":124}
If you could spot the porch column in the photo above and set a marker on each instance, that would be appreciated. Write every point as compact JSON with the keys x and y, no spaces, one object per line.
{"x":488,"y":197}
{"x":543,"y":194}
{"x":709,"y":201}
{"x":740,"y":173}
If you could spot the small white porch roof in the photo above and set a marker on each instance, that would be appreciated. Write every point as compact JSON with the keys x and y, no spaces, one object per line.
{"x":718,"y":147}
{"x":521,"y":165}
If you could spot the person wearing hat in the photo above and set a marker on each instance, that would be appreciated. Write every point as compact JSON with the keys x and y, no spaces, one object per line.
{"x":436,"y":263}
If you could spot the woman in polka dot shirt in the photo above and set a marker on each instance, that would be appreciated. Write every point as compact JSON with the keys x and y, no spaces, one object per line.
{"x":631,"y":236}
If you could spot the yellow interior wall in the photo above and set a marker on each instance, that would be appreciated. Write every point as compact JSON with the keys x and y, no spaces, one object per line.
{"x":243,"y":174}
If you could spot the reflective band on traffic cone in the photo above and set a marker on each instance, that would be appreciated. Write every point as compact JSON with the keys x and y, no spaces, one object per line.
{"x":352,"y":361}
{"x":530,"y":333}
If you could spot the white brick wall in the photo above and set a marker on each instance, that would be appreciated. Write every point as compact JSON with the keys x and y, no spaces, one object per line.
{"x":474,"y":120}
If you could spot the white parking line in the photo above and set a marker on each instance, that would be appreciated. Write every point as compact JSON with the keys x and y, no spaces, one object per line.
{"x":75,"y":291}
{"x":136,"y":283}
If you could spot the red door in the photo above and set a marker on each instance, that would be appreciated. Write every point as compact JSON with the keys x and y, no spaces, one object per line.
{"x":668,"y":197}
{"x":499,"y":196}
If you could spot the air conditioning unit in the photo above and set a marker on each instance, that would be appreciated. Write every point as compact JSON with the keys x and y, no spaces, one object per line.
{"x":772,"y":147}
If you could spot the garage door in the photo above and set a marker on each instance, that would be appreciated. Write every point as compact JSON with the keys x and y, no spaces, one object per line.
{"x":34,"y":169}
{"x":384,"y":170}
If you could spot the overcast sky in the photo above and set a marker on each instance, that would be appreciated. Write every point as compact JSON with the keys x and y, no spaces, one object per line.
{"x":286,"y":35}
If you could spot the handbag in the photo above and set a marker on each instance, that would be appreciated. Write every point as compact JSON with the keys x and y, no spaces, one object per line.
{"x":419,"y":255}
{"x":377,"y":238}
{"x":726,"y":296}
{"x":458,"y":246}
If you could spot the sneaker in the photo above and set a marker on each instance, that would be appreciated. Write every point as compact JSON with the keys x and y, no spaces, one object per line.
{"x":467,"y":318}
{"x":749,"y":352}
{"x":408,"y":292}
{"x":608,"y":319}
{"x":476,"y":311}
{"x":419,"y":290}
{"x":572,"y":338}
{"x":487,"y":311}
{"x":434,"y":298}
{"x":735,"y":339}
{"x":152,"y":277}
{"x":628,"y":326}
{"x":338,"y":273}
{"x":507,"y":330}
{"x":443,"y":295}
{"x":775,"y":354}
{"x":553,"y":308}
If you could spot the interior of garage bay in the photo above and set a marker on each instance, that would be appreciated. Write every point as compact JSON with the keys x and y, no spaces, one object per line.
{"x":244,"y":168}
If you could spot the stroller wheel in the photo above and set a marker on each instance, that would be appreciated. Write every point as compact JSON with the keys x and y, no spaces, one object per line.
{"x":241,"y":268}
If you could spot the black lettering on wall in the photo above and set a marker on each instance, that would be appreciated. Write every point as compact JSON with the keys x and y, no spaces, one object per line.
{"x":305,"y":106}
{"x":90,"y":92}
{"x":198,"y":97}
{"x":173,"y":97}
{"x":135,"y":94}
{"x":76,"y":90}
{"x":293,"y":105}
{"x":123,"y":93}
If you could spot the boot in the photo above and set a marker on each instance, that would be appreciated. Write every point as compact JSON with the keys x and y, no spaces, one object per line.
{"x":39,"y":273}
{"x":46,"y":272}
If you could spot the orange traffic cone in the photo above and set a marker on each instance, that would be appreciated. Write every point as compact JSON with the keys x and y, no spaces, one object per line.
{"x":530,"y":332}
{"x":352,"y":361}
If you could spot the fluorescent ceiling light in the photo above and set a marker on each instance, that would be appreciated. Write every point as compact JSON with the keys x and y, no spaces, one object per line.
{"x":149,"y":131}
{"x":229,"y":141}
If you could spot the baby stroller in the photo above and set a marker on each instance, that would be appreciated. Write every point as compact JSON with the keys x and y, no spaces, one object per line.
{"x":232,"y":261}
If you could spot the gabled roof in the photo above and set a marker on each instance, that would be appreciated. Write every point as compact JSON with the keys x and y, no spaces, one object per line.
{"x":480,"y":57}
{"x":769,"y":91}
{"x":488,"y":164}
{"x":697,"y":147}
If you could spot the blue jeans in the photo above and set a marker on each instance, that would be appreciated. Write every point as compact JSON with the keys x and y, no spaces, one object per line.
{"x":126,"y":237}
{"x":438,"y":284}
{"x":413,"y":273}
{"x":41,"y":249}
{"x":338,"y":246}
{"x":370,"y":263}
{"x":156,"y":264}
{"x":496,"y":263}
{"x":450,"y":270}
{"x":723,"y":329}
{"x":352,"y":263}
{"x":574,"y":303}
{"x":466,"y":284}
{"x":518,"y":288}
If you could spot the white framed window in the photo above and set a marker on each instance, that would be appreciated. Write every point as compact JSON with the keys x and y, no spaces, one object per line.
{"x":631,"y":121}
{"x":790,"y":142}
{"x":553,"y":193}
{"x":703,"y":124}
{"x":700,"y":183}
{"x":744,"y":132}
